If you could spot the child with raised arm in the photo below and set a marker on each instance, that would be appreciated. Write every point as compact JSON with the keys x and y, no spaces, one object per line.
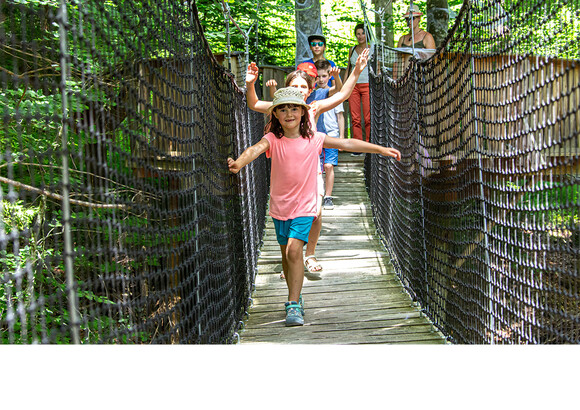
{"x":319,"y":106}
{"x":334,"y":126}
{"x":305,"y":83}
{"x":294,"y":149}
{"x":304,"y":79}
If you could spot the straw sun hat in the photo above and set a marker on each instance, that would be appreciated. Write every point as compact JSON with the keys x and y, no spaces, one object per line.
{"x":414,"y":10}
{"x":288,"y":95}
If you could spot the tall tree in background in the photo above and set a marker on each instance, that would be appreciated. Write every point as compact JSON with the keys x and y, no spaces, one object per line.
{"x":307,"y":22}
{"x":388,"y":22}
{"x":438,"y":19}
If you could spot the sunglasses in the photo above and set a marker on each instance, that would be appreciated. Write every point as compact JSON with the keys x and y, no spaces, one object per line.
{"x":412,"y":18}
{"x":316,"y":43}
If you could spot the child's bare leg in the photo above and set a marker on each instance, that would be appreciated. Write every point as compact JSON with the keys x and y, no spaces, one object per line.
{"x":284,"y":273}
{"x":295,"y":272}
{"x":329,"y":169}
{"x":314,"y":234}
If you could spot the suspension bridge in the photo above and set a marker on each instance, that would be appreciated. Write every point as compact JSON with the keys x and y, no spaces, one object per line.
{"x":357,"y":298}
{"x":120,"y":222}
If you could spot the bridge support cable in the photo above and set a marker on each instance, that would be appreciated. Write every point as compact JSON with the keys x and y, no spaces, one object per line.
{"x":71,"y":290}
{"x":246,"y":34}
{"x":482,"y":199}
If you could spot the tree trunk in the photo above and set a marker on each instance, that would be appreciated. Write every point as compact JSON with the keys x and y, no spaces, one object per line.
{"x":307,"y":22}
{"x":388,"y":22}
{"x":438,"y":19}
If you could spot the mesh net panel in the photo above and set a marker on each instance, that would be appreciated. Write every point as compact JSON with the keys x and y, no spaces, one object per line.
{"x":120,"y":222}
{"x":481,"y":215}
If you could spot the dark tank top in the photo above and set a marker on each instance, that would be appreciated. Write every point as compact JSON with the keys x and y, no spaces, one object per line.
{"x":418,"y":44}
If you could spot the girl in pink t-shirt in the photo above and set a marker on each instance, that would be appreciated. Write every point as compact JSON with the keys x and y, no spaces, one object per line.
{"x":305,"y":83}
{"x":295,"y":149}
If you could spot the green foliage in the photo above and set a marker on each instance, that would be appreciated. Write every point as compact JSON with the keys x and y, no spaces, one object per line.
{"x":559,"y":202}
{"x":513,"y":27}
{"x":116,"y":35}
{"x":17,"y":216}
{"x":33,"y":285}
{"x":29,"y":126}
{"x":277,"y":33}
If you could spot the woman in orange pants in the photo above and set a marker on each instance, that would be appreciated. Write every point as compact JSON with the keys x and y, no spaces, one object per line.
{"x":361,"y":89}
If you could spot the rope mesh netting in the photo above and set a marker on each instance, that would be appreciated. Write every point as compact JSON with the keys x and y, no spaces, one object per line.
{"x":119,"y":221}
{"x":481,"y":215}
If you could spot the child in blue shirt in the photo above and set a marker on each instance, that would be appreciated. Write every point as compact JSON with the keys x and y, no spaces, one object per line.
{"x":333,"y":125}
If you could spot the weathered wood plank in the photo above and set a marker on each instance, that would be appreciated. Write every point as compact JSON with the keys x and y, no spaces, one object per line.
{"x":336,"y":284}
{"x":275,"y":248}
{"x":356,"y":299}
{"x":351,"y":253}
{"x":366,"y":294}
{"x":337,"y":264}
{"x":398,"y":301}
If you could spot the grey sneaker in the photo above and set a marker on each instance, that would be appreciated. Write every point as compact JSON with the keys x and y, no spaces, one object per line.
{"x":301,"y":303}
{"x":327,"y":204}
{"x":293,"y":314}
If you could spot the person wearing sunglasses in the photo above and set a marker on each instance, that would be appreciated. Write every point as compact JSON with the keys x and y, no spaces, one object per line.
{"x":317,"y":44}
{"x":417,"y":37}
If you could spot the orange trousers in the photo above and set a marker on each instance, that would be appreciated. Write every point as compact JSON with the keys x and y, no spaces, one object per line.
{"x":360,"y":93}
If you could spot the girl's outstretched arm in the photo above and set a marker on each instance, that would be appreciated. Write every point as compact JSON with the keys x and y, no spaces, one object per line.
{"x":346,"y":90}
{"x":253,"y":102}
{"x":248,"y":155}
{"x":355,"y":145}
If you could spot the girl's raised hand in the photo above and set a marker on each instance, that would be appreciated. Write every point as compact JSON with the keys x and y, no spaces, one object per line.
{"x":271,"y":83}
{"x":252,"y":73}
{"x":363,"y":59}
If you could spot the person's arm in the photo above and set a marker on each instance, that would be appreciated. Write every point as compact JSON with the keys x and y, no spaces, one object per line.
{"x":340,"y":96}
{"x":400,"y":43}
{"x":248,"y":155}
{"x":348,"y":66}
{"x":272,"y":84}
{"x":337,"y":82}
{"x":340,"y":121}
{"x":253,"y":102}
{"x":429,"y":41}
{"x":354,"y":145}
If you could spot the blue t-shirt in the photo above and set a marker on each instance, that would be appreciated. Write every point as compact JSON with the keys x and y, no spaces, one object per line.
{"x":331,"y":64}
{"x":315,"y":95}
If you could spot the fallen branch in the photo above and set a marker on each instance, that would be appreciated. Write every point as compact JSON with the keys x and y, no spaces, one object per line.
{"x":58,"y":197}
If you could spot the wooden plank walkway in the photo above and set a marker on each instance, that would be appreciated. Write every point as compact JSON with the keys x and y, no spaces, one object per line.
{"x":357,"y":299}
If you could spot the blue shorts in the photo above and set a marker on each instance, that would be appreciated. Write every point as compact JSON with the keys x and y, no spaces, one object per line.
{"x":298,"y":228}
{"x":329,"y":156}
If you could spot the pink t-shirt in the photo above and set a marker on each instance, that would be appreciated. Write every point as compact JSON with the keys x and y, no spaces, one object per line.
{"x":293,"y":177}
